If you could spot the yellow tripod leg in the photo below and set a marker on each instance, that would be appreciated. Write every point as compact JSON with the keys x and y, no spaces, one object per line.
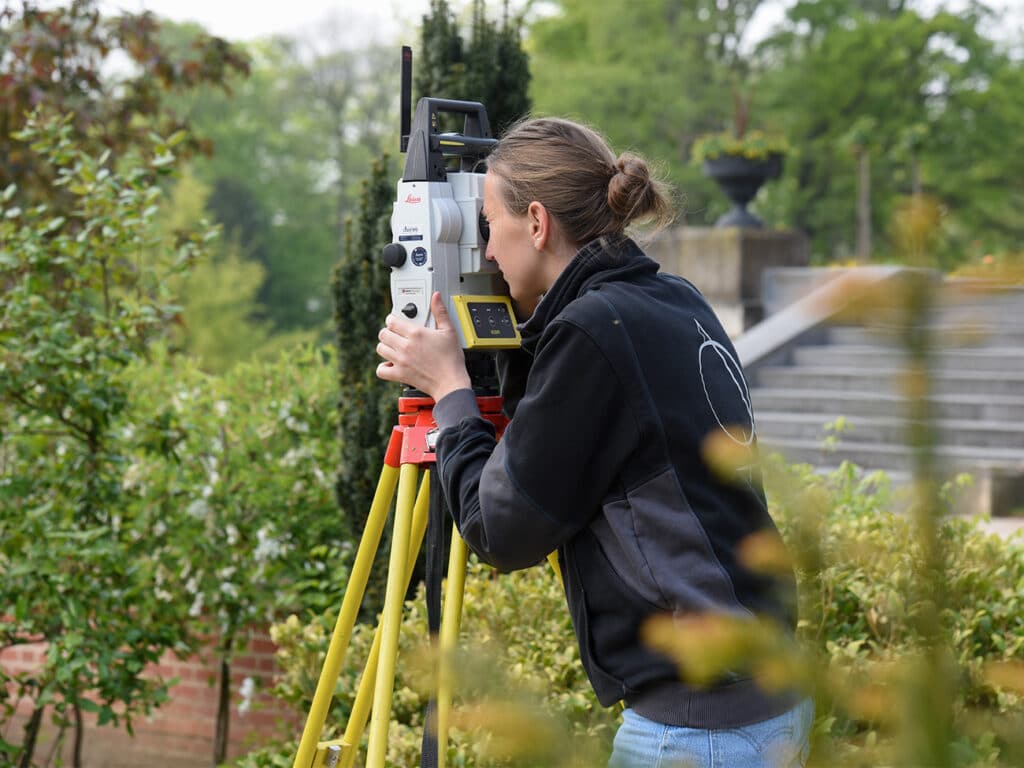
{"x":364,"y":697}
{"x":391,"y":620}
{"x":347,"y":616}
{"x":450,"y":621}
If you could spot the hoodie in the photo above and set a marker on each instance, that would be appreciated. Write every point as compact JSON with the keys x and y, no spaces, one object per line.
{"x":624,"y":375}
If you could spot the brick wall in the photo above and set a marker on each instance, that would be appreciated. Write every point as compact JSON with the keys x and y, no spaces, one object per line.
{"x":180,"y":733}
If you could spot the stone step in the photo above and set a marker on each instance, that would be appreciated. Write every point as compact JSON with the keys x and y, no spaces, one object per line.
{"x":971,"y":359}
{"x":949,"y":336}
{"x":829,"y":405}
{"x":863,"y":429}
{"x":895,"y":457}
{"x":887,"y":380}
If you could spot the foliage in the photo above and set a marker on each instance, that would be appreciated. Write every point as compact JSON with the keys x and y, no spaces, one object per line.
{"x":490,"y":66}
{"x":289,"y":151}
{"x":367,"y":407}
{"x":244,"y":506}
{"x":221,"y":322}
{"x":862,"y":567}
{"x":655,"y":75}
{"x":652,"y":76}
{"x":521,"y":695}
{"x":77,"y":311}
{"x":755,"y":145}
{"x":520,"y":682}
{"x":145,"y":503}
{"x":918,"y":78}
{"x":60,"y":56}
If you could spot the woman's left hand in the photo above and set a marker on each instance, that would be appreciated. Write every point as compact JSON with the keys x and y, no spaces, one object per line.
{"x":429,"y":359}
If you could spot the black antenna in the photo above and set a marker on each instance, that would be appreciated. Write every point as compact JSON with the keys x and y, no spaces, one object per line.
{"x":406,"y":105}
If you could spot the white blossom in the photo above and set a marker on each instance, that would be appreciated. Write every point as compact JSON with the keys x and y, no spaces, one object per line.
{"x":247,"y":691}
{"x":267,"y":547}
{"x":232,"y":533}
{"x":131,"y":475}
{"x":160,"y":528}
{"x":221,"y":407}
{"x":197,"y":606}
{"x":229,"y":589}
{"x":198,"y":509}
{"x":295,"y":425}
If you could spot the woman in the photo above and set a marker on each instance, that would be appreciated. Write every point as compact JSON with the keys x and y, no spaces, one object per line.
{"x":624,"y":374}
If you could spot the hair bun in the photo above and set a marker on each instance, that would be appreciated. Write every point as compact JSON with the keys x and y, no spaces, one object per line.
{"x":630,"y":191}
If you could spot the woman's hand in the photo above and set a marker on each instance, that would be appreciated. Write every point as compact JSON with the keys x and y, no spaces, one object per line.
{"x":429,"y":359}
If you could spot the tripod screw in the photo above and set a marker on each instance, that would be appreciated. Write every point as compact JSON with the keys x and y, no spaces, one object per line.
{"x":393,"y":255}
{"x":409,"y":310}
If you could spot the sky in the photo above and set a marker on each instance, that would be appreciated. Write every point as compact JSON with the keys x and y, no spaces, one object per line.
{"x":390,"y":21}
{"x":242,"y":20}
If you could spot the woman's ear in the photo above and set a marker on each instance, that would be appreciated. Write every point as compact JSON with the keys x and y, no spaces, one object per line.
{"x":540,"y":224}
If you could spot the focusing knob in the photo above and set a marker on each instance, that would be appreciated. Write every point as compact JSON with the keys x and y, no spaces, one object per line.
{"x":393,"y":255}
{"x":409,"y":310}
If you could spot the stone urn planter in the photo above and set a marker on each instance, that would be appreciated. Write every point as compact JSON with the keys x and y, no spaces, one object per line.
{"x":740,"y":178}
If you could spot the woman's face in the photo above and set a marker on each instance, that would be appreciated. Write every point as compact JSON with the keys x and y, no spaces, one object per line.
{"x":511,"y":246}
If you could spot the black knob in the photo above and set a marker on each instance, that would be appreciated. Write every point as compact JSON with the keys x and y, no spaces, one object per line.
{"x":409,"y":310}
{"x":393,"y":255}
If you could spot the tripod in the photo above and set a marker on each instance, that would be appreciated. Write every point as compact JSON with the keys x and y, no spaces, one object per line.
{"x":410,"y":449}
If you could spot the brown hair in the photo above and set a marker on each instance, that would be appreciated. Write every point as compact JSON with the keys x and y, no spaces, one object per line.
{"x":570,"y":169}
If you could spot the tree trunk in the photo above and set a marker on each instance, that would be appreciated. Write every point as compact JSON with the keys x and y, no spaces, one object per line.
{"x":220,"y":739}
{"x":864,"y":205}
{"x":76,"y":757}
{"x":31,"y":734}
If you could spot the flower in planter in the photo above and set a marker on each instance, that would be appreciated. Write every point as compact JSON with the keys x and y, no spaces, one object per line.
{"x":752,"y":145}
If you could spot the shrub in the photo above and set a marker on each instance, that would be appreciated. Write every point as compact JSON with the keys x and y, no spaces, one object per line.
{"x":858,"y":565}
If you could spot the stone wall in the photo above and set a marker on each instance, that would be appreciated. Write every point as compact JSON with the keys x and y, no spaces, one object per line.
{"x":727,"y":265}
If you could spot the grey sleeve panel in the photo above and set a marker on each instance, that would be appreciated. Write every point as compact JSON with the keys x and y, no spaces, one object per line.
{"x":454,"y":407}
{"x":507,"y":530}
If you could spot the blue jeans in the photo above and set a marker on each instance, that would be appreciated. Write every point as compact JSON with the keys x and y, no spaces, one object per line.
{"x":782,"y":742}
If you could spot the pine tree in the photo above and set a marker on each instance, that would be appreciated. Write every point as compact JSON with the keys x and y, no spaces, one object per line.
{"x":361,"y":288}
{"x":491,"y":68}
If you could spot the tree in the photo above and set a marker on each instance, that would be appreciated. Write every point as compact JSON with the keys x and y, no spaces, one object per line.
{"x":244,"y":496}
{"x":221,"y":322}
{"x":834,"y":65}
{"x":78,"y":309}
{"x":652,"y":76}
{"x":367,"y":407}
{"x":287,"y":160}
{"x":58,"y":55}
{"x":490,"y":67}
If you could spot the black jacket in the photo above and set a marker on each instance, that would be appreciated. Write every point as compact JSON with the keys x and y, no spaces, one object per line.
{"x":629,"y":371}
